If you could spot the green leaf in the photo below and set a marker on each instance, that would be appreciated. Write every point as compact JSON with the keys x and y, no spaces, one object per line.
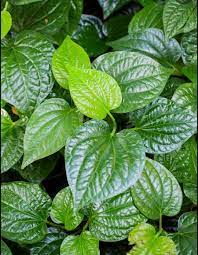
{"x":149,"y":16}
{"x":186,"y":237}
{"x":62,"y":210}
{"x":26,"y":77}
{"x":151,"y":42}
{"x":147,"y":241}
{"x":157,"y":192}
{"x":50,"y":245}
{"x":179,"y":17}
{"x":6,"y":22}
{"x":48,"y":129}
{"x":12,"y":134}
{"x":190,"y":71}
{"x":90,"y":36}
{"x":172,"y":84}
{"x":22,"y":2}
{"x":109,"y":6}
{"x":5,"y":250}
{"x":189,"y":45}
{"x":94,"y":93}
{"x":164,"y":126}
{"x":185,"y":96}
{"x":80,"y":245}
{"x":113,"y":219}
{"x":97,"y":168}
{"x":24,"y":211}
{"x":141,"y":78}
{"x":68,"y":54}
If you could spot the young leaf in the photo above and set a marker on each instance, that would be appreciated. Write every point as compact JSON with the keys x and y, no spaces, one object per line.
{"x":157,"y":192}
{"x":11,"y":141}
{"x":79,"y":245}
{"x":141,"y":78}
{"x":6,"y":22}
{"x":68,"y":54}
{"x":97,"y":168}
{"x":5,"y":250}
{"x":186,"y":237}
{"x":147,"y":241}
{"x":164,"y":126}
{"x":48,"y":129}
{"x":24,"y":211}
{"x":26,"y":77}
{"x":62,"y":210}
{"x":113,"y":219}
{"x":95,"y":93}
{"x":189,"y":45}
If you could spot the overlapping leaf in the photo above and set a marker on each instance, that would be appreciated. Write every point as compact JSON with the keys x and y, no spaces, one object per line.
{"x":6,"y":22}
{"x":189,"y":45}
{"x":5,"y":250}
{"x":172,"y":84}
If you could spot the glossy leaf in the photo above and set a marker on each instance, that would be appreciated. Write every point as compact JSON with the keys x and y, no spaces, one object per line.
{"x":172,"y":84}
{"x":179,"y":17}
{"x":147,"y":241}
{"x":164,"y":126}
{"x":50,"y":245}
{"x":94,"y":93}
{"x":140,"y":78}
{"x":149,"y":17}
{"x":5,"y":250}
{"x":186,"y":237}
{"x":6,"y":22}
{"x":190,"y":71}
{"x":113,"y":219}
{"x":68,"y":54}
{"x":62,"y":210}
{"x":24,"y":211}
{"x":97,"y":169}
{"x":48,"y":129}
{"x":157,"y":192}
{"x":12,"y":134}
{"x":26,"y":77}
{"x":189,"y":45}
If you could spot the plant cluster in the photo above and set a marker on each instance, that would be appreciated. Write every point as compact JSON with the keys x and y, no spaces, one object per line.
{"x":116,"y":99}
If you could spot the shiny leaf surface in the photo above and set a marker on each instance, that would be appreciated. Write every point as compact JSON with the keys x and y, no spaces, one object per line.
{"x":6,"y":23}
{"x":189,"y":45}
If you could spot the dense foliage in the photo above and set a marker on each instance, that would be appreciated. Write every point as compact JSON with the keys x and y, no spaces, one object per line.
{"x":98,"y":127}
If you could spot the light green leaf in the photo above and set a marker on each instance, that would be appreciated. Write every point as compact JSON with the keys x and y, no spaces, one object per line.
{"x":94,"y":93}
{"x":141,"y":78}
{"x":48,"y":129}
{"x":186,"y":237}
{"x":50,"y":245}
{"x":113,"y":219}
{"x":190,"y":71}
{"x":179,"y":17}
{"x":189,"y":45}
{"x":6,"y":22}
{"x":172,"y":84}
{"x":164,"y":126}
{"x":24,"y":211}
{"x":26,"y":77}
{"x":97,"y":168}
{"x":149,"y":16}
{"x":83,"y":244}
{"x":5,"y":250}
{"x":12,"y":134}
{"x":62,"y":210}
{"x":157,"y":192}
{"x":147,"y":241}
{"x":68,"y":54}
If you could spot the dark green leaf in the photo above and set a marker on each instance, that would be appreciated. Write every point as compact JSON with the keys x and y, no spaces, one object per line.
{"x":190,"y":71}
{"x":22,"y":2}
{"x":189,"y":45}
{"x":5,"y":250}
{"x":172,"y":84}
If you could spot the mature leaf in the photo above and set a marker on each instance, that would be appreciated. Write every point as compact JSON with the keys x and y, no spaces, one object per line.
{"x":22,"y":2}
{"x":190,"y":71}
{"x":164,"y":126}
{"x":12,"y":134}
{"x":149,"y":16}
{"x":179,"y":17}
{"x":26,"y":77}
{"x":24,"y":211}
{"x":186,"y":237}
{"x":151,"y":42}
{"x":48,"y":129}
{"x":157,"y":192}
{"x":141,"y":78}
{"x":109,"y":6}
{"x":172,"y":84}
{"x":5,"y":250}
{"x":68,"y":54}
{"x":189,"y":45}
{"x":147,"y":241}
{"x":90,"y":36}
{"x":97,"y":169}
{"x":6,"y":22}
{"x":50,"y":245}
{"x":94,"y":93}
{"x":113,"y":219}
{"x":62,"y":210}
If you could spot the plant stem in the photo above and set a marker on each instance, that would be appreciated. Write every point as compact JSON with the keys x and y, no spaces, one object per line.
{"x":85,"y":226}
{"x":160,"y":223}
{"x":54,"y":225}
{"x":114,"y":124}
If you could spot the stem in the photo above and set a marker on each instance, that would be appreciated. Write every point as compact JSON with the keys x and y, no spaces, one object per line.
{"x":160,"y":223}
{"x":54,"y":225}
{"x":6,"y":6}
{"x":114,"y":124}
{"x":86,"y":226}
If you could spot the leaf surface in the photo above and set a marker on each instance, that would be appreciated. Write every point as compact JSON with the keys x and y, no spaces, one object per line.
{"x":189,"y":45}
{"x":6,"y":23}
{"x":5,"y":250}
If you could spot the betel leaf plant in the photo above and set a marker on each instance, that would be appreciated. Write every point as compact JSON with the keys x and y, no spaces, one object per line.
{"x":98,"y":127}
